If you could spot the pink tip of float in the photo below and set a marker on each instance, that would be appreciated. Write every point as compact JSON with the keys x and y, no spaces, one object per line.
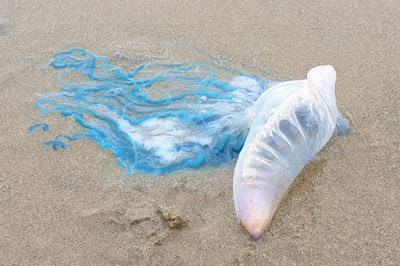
{"x":255,"y":238}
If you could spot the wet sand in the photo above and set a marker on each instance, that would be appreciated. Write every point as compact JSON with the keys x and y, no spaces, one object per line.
{"x":77,"y":207}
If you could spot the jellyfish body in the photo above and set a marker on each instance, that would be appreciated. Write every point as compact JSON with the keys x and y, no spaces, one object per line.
{"x":291,"y":123}
{"x":161,"y":117}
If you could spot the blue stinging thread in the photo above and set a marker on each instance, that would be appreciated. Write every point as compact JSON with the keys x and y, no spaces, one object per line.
{"x":200,"y":120}
{"x":33,"y":128}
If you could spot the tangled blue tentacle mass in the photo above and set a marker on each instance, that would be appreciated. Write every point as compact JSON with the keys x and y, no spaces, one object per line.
{"x":200,"y":117}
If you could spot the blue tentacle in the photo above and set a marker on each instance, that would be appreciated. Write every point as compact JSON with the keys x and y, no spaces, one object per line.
{"x":200,"y":120}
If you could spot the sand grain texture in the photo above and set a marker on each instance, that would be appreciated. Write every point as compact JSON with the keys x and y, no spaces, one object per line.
{"x":77,"y":207}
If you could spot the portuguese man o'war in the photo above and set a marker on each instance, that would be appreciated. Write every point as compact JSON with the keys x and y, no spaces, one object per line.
{"x":200,"y":117}
{"x":292,"y":122}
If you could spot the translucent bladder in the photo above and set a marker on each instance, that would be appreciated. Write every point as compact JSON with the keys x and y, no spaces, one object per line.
{"x":291,"y":123}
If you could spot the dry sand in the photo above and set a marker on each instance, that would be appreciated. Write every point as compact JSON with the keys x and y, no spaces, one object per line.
{"x":77,"y":207}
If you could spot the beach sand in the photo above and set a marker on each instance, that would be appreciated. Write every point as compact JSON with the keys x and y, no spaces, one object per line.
{"x":78,"y":207}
